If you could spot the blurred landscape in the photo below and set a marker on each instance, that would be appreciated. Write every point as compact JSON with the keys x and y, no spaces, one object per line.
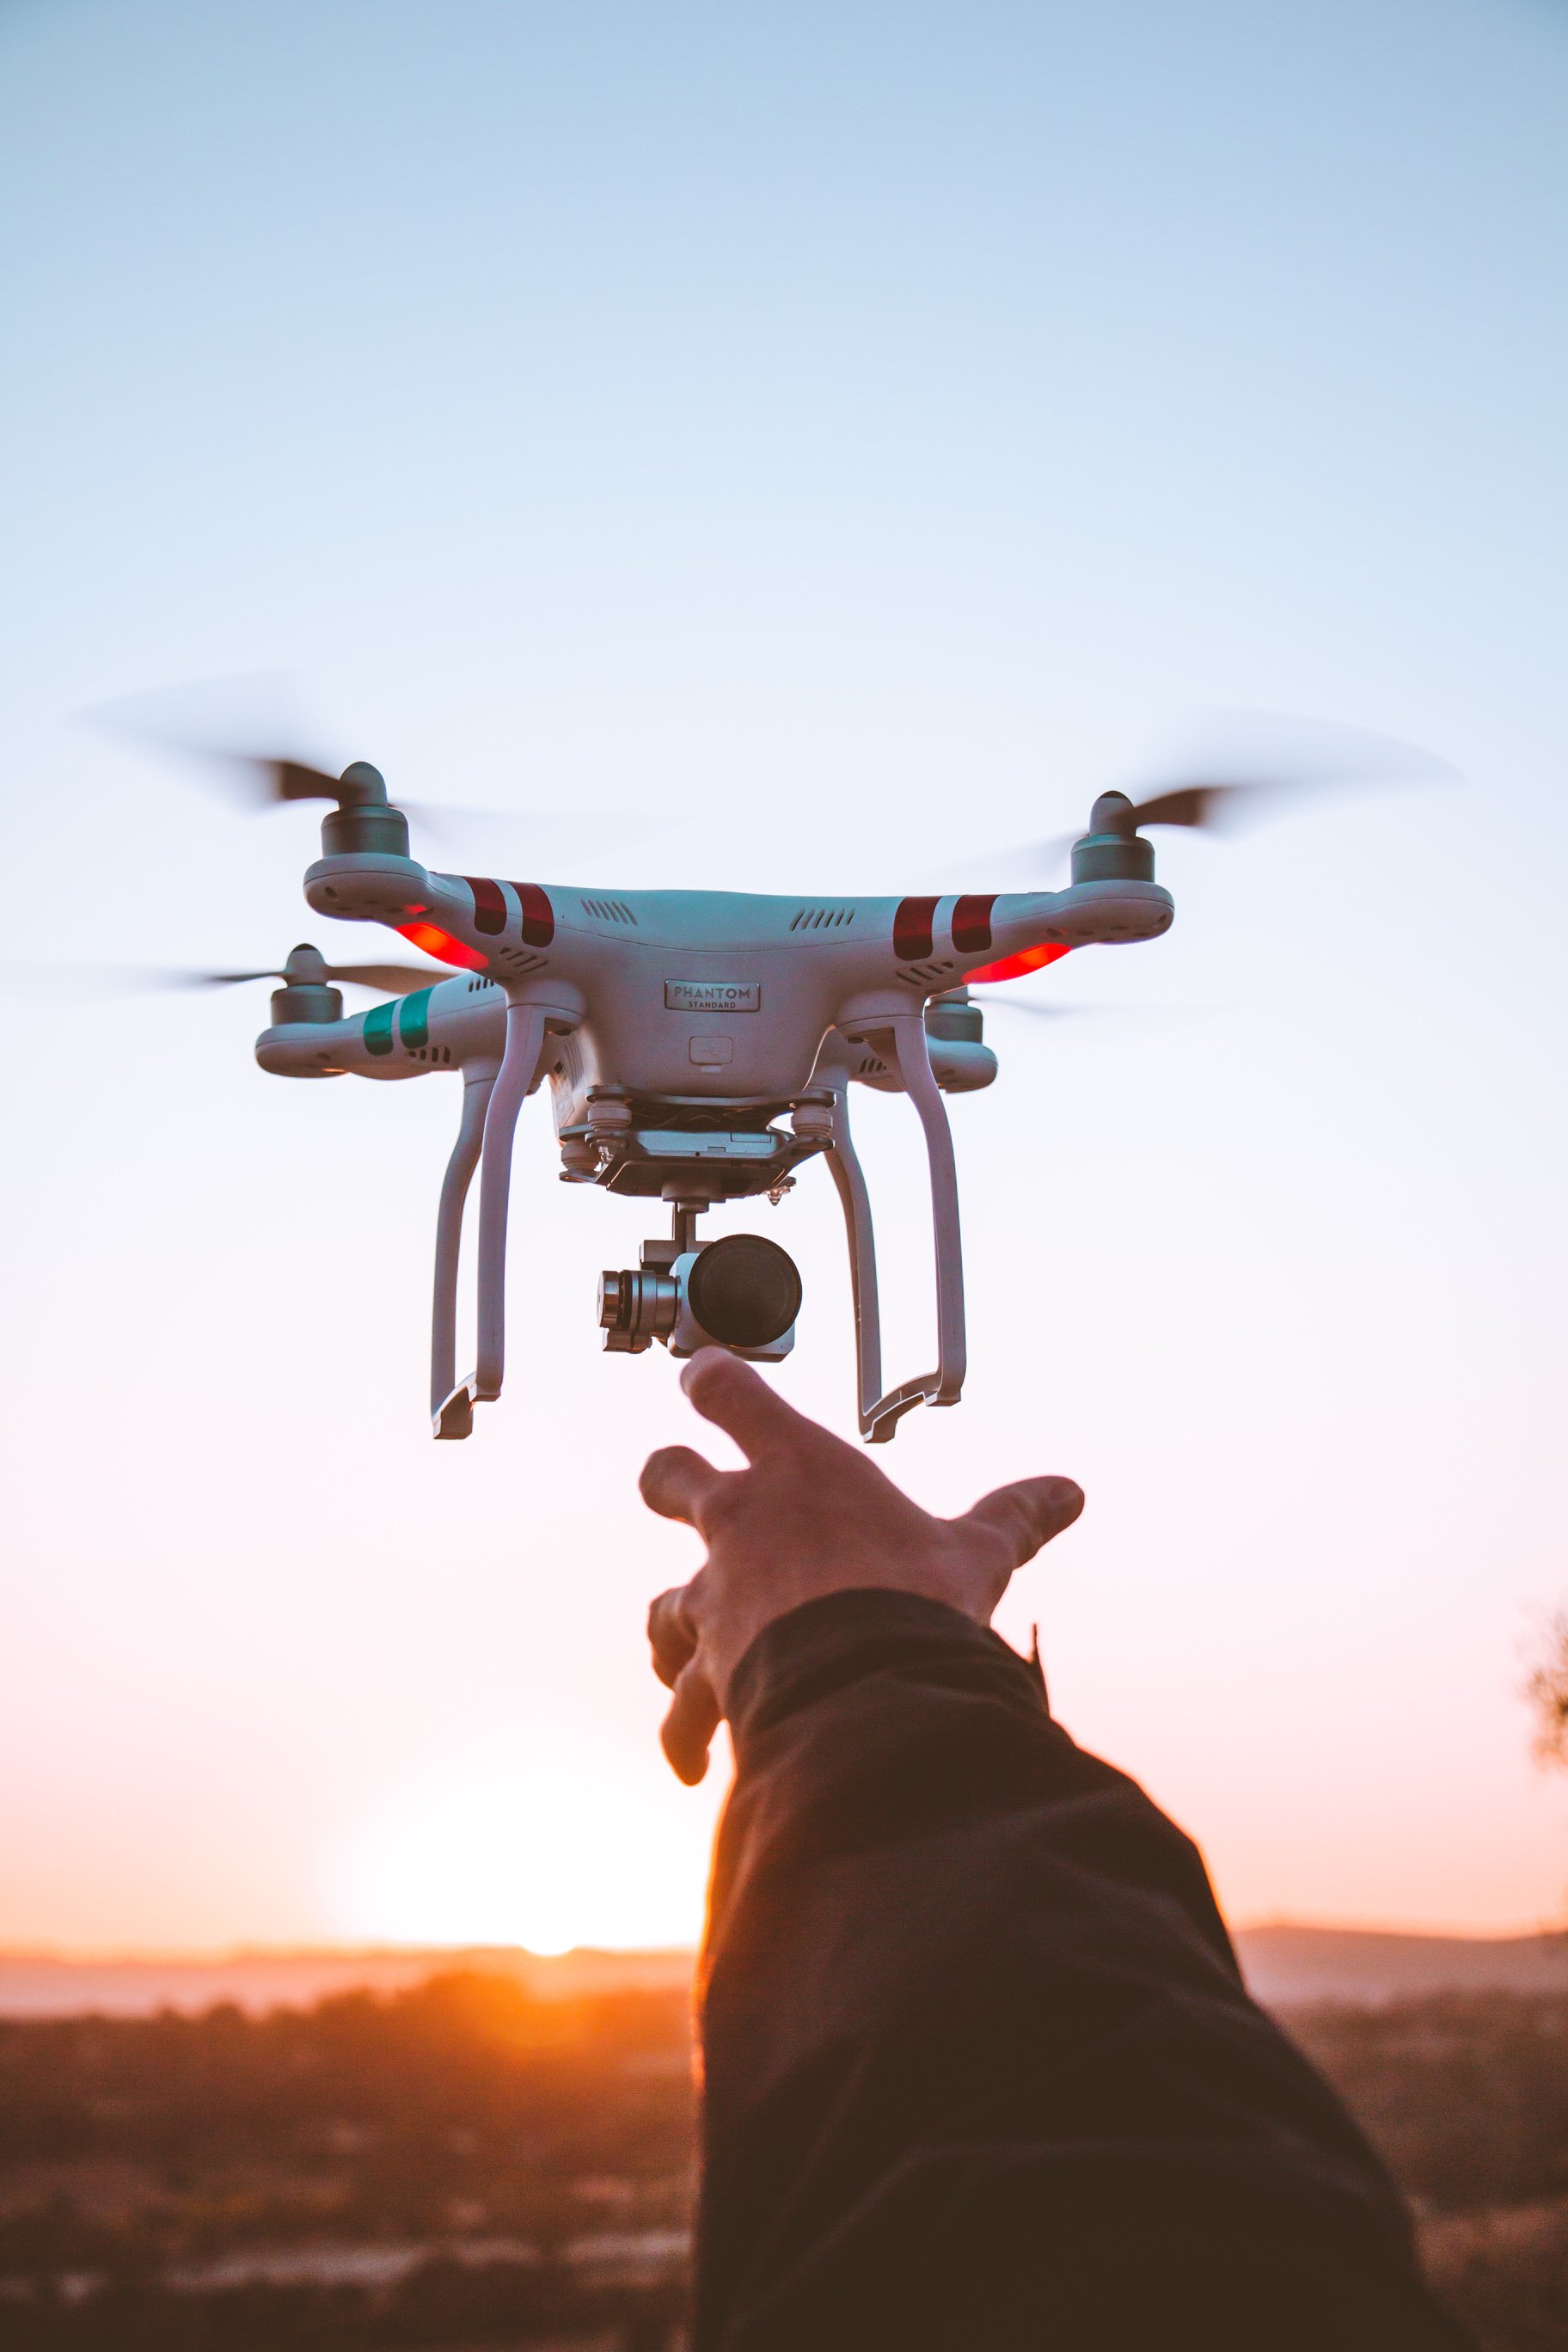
{"x":340,"y":2150}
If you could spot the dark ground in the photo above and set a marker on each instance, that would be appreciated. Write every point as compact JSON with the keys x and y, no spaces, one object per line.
{"x":467,"y":2165}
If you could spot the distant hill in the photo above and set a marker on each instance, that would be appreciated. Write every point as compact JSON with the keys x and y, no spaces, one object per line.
{"x":1286,"y":1966}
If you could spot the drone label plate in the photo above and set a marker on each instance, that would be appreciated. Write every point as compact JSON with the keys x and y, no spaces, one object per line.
{"x":713,"y":996}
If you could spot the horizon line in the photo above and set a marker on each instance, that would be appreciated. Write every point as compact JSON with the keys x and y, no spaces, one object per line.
{"x":66,"y":1955}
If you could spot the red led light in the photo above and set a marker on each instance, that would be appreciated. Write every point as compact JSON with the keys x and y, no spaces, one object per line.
{"x":443,"y":946}
{"x":1014,"y":967}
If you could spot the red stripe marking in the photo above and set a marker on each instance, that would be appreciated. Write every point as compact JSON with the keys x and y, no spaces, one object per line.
{"x":1014,"y":967}
{"x":972,"y":924}
{"x":912,"y":940}
{"x":490,"y":906}
{"x":538,"y":914}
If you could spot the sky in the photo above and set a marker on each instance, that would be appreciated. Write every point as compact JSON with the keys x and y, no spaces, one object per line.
{"x":799,"y":444}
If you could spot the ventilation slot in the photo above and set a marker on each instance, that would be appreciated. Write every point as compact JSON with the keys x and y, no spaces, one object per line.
{"x":928,"y":975}
{"x":608,"y":910}
{"x":821,"y":919}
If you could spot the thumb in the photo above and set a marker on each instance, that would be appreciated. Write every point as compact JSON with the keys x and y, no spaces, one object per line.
{"x":1026,"y":1515}
{"x":688,"y":1729}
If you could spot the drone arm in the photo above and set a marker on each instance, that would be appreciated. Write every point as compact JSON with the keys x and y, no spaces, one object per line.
{"x":451,"y":1409}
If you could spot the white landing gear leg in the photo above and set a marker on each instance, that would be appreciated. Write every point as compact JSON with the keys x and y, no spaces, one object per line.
{"x":855,"y":1200}
{"x":901,"y":1042}
{"x":524,"y":1038}
{"x":452,"y":1408}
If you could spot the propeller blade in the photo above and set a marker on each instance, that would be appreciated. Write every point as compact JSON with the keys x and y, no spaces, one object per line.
{"x":1198,"y":805}
{"x":224,"y":723}
{"x":286,"y":779}
{"x":117,"y":979}
{"x":390,"y":978}
{"x":1143,"y":1017}
{"x":1253,"y":765}
{"x":72,"y":981}
{"x":231,"y":728}
{"x":997,"y":1000}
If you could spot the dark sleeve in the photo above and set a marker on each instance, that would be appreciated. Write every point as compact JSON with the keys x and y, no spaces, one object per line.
{"x":980,"y":2071}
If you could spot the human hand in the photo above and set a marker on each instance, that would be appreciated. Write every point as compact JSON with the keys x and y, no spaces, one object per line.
{"x":809,"y":1516}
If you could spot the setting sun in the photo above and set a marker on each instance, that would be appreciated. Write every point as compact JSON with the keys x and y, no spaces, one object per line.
{"x":503,"y":1849}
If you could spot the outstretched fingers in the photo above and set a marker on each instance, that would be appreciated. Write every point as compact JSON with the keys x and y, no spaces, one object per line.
{"x":1026,"y":1515}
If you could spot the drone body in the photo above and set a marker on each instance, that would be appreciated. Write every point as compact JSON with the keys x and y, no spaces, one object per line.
{"x":698,"y":1046}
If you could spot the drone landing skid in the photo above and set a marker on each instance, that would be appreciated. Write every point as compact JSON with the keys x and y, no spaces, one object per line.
{"x":901,"y":1040}
{"x":492,"y":1098}
{"x":880,"y":1426}
{"x":454,"y":1417}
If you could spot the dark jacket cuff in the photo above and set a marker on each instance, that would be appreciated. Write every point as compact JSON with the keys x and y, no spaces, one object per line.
{"x":825,"y":1646}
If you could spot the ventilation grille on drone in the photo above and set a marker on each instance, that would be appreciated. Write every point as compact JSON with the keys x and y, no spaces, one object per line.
{"x":821,"y":919}
{"x":518,"y":962}
{"x":930,"y":974}
{"x":608,"y":910}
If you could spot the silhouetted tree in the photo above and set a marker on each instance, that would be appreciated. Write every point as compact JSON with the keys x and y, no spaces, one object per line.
{"x":1547,"y":1691}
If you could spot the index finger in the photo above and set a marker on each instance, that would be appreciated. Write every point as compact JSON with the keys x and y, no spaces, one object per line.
{"x":727,"y":1391}
{"x":670,"y":1636}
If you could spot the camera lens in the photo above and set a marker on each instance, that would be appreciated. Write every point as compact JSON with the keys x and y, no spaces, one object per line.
{"x":616,"y":1301}
{"x":744,"y":1291}
{"x":636,"y":1306}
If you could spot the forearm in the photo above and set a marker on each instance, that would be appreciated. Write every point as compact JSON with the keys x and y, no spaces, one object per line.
{"x":966,"y":1988}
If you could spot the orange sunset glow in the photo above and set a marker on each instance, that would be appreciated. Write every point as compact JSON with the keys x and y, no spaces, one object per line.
{"x":727,"y":523}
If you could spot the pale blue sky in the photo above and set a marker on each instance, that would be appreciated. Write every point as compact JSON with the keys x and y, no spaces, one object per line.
{"x":854,"y":435}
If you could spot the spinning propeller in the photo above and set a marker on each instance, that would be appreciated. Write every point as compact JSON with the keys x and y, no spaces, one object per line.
{"x":1255,"y":768}
{"x":359,"y":794}
{"x":210,"y":724}
{"x":306,"y":967}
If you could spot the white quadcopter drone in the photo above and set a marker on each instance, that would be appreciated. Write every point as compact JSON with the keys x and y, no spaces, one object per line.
{"x":698,"y":1046}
